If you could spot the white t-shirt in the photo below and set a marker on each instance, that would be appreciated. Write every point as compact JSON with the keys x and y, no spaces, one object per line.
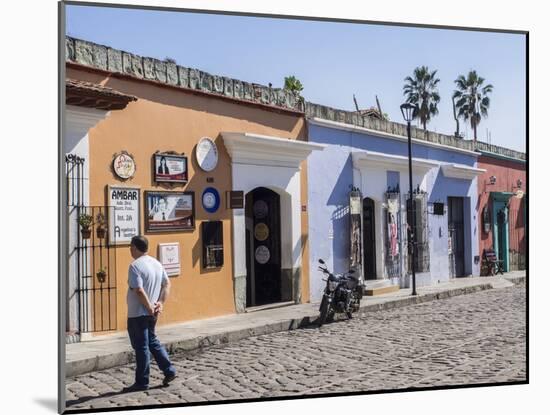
{"x":145,"y":272}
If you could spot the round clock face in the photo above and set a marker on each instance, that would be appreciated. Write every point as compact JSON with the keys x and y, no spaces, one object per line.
{"x":210,"y":199}
{"x":124,"y":165}
{"x":207,"y":154}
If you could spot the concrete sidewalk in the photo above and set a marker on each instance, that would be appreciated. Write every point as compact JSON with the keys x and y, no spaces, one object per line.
{"x":108,"y":351}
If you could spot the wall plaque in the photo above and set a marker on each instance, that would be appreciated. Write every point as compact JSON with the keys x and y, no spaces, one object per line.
{"x":262,"y":254}
{"x":235,"y":199}
{"x":169,"y":257}
{"x":261,"y":231}
{"x":206,"y":153}
{"x":210,"y":200}
{"x":124,"y":165}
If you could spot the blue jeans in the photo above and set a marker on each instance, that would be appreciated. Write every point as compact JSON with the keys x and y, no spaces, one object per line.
{"x":143,"y":339}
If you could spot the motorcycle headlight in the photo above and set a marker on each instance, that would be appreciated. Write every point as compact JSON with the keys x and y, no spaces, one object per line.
{"x":332,"y":285}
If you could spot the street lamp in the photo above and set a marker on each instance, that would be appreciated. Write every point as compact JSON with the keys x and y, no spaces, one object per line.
{"x":408,"y":110}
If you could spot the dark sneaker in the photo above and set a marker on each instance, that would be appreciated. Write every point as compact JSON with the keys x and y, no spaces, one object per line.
{"x":135,"y":388}
{"x":168,"y":379}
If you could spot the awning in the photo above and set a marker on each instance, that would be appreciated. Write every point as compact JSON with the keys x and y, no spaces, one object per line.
{"x":248,"y":148}
{"x":460,"y":171}
{"x":364,"y":159}
{"x":90,"y":95}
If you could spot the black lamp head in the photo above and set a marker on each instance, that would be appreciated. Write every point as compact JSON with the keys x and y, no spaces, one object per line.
{"x":407,"y":109}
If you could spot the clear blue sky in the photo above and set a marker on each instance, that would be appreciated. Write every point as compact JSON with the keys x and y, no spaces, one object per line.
{"x":332,"y":60}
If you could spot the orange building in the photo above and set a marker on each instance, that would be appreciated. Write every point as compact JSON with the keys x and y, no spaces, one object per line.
{"x":233,"y":251}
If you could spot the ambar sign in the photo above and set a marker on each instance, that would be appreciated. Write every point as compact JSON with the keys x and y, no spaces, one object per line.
{"x":124,"y":217}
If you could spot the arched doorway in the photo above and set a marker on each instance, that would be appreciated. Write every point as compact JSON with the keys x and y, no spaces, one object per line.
{"x":369,"y":239}
{"x":263,"y":247}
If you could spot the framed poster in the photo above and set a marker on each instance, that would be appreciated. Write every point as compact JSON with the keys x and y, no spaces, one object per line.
{"x":169,"y":257}
{"x":169,"y":211}
{"x":124,"y":218}
{"x":170,"y":168}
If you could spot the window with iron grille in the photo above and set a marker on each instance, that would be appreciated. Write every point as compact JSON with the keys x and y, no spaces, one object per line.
{"x":419,"y":225}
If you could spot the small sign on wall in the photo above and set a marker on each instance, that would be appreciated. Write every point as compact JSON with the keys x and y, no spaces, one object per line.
{"x":235,"y":199}
{"x":169,"y":257}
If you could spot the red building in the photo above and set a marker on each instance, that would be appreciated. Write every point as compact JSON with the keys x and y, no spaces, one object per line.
{"x":503,"y":208}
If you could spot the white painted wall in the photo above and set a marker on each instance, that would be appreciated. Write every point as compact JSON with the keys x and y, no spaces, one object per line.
{"x":372,"y":181}
{"x":285,"y":181}
{"x":78,"y":121}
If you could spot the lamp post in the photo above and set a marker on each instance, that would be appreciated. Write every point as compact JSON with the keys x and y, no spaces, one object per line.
{"x":407,"y":110}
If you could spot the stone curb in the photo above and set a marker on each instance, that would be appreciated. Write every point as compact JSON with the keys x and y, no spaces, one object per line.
{"x":197,"y":344}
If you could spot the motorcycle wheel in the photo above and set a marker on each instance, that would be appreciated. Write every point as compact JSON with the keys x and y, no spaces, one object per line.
{"x":324,"y":311}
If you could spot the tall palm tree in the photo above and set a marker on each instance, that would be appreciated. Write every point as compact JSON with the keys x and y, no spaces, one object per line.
{"x":472,"y":100}
{"x":421,"y":91}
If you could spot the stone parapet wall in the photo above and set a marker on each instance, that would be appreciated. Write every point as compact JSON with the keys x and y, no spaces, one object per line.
{"x":118,"y":61}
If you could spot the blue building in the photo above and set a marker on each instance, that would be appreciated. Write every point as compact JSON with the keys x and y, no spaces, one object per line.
{"x":376,"y":163}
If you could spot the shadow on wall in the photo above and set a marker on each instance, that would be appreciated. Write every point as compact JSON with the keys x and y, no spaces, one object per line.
{"x":444,"y":187}
{"x":340,"y":190}
{"x":339,"y":199}
{"x":340,"y":238}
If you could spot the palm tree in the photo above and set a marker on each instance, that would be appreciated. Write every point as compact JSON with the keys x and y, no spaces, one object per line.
{"x":421,"y":91}
{"x":472,"y":100}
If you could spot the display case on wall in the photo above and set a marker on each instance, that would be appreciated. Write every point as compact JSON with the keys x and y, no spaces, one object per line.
{"x":212,"y":244}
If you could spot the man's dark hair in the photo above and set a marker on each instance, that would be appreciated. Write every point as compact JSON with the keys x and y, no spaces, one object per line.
{"x":140,"y":242}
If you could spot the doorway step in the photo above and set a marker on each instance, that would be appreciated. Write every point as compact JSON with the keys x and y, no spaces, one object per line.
{"x":269,"y":306}
{"x":378,"y":287}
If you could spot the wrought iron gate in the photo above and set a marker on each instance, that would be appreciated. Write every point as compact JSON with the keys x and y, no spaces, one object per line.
{"x":392,"y":234}
{"x":92,"y":262}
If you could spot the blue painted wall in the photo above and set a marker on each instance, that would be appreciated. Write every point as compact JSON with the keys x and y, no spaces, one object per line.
{"x":330,"y":175}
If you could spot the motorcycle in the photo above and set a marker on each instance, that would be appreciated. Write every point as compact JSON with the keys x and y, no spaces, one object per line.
{"x":342,"y":294}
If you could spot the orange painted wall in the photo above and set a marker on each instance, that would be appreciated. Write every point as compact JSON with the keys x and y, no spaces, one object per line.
{"x":167,"y":119}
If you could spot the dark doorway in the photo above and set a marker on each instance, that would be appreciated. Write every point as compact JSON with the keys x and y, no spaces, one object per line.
{"x":369,"y":244}
{"x":263,"y":247}
{"x":455,"y":216}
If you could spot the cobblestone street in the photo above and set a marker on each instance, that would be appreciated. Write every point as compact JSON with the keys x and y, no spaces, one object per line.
{"x":469,"y":339}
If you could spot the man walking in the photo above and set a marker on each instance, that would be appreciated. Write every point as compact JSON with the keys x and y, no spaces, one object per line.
{"x":148,"y":288}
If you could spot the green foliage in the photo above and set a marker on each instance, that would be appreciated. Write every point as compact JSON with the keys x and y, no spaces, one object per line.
{"x":421,"y":91}
{"x":85,"y":220}
{"x":472,"y":100}
{"x":293,"y":85}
